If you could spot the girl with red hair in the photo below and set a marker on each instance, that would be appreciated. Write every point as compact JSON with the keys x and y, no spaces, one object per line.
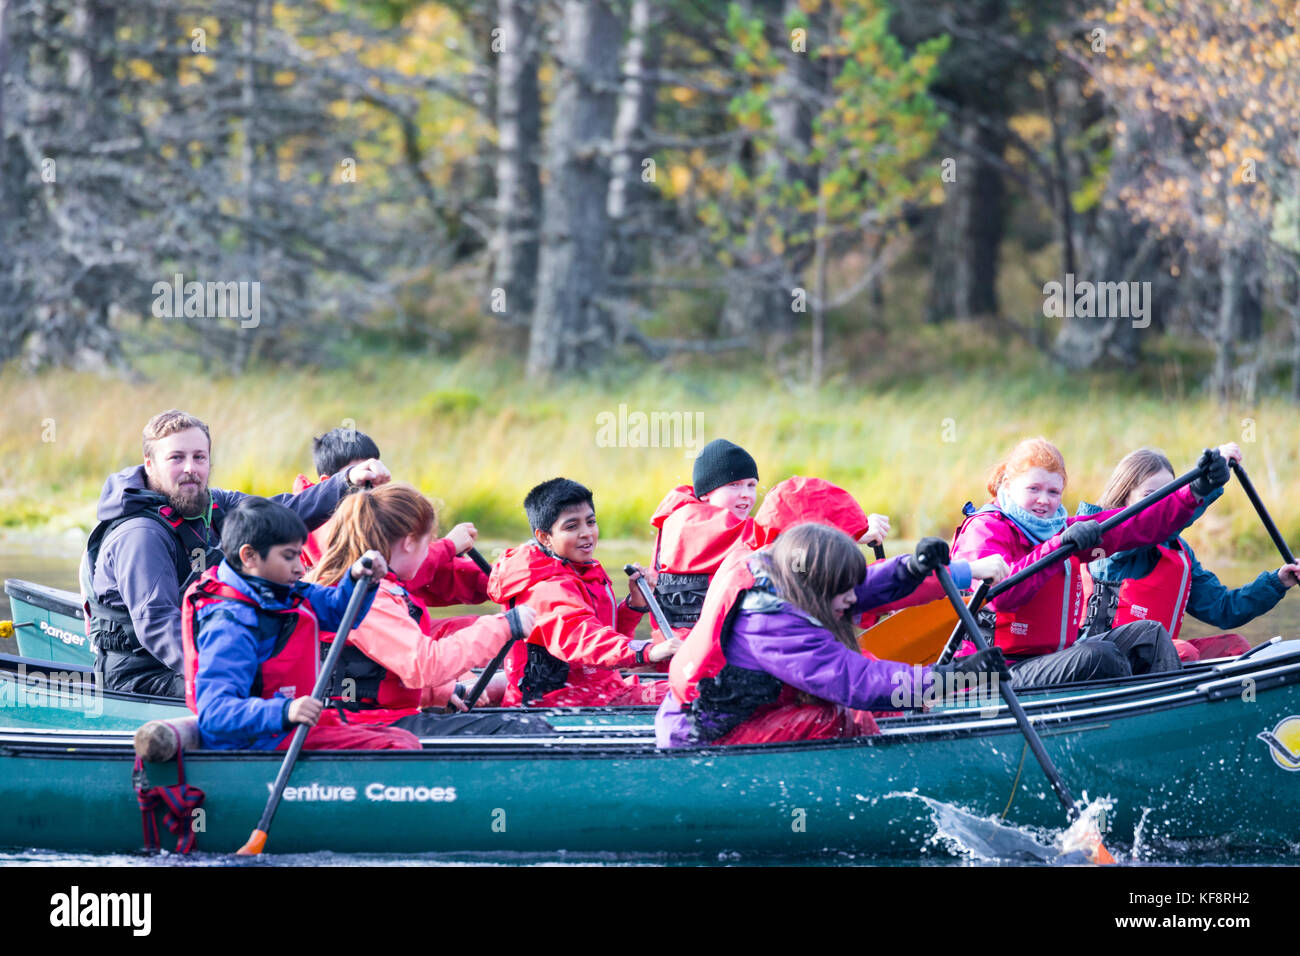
{"x":1037,"y":622}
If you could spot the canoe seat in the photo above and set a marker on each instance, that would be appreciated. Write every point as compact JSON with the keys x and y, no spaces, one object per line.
{"x":155,"y":742}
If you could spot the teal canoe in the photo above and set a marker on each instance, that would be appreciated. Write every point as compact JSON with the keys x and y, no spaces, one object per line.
{"x":48,"y":623}
{"x":1216,"y":756}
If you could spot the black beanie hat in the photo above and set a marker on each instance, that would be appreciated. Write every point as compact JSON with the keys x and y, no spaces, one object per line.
{"x":719,"y":463}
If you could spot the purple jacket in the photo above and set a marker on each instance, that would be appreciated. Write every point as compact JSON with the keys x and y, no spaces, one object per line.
{"x":771,"y":635}
{"x":137,"y":564}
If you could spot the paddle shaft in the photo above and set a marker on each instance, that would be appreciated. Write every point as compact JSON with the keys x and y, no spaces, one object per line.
{"x":879,"y":551}
{"x":1269,"y":526}
{"x":1004,"y":687}
{"x":359,"y":593}
{"x":494,"y":665}
{"x":478,"y":559}
{"x":984,"y":592}
{"x":656,"y":612}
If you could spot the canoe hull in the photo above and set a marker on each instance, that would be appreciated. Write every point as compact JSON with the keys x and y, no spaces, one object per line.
{"x":1189,"y":768}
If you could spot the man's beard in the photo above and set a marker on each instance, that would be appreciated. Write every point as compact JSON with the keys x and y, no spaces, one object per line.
{"x":189,"y":500}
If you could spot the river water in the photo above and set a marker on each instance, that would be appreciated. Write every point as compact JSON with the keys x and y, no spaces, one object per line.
{"x":53,"y":561}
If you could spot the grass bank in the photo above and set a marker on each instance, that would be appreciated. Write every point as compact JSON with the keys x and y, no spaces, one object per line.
{"x":909,"y":438}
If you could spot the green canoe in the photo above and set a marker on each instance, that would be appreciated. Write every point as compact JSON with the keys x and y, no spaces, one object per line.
{"x":1213,"y":758}
{"x":48,"y":623}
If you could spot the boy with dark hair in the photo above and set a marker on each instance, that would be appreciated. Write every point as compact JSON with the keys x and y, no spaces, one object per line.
{"x":580,"y":637}
{"x":250,"y":629}
{"x":445,"y":578}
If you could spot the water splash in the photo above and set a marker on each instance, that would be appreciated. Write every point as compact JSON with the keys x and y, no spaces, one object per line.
{"x":988,"y":839}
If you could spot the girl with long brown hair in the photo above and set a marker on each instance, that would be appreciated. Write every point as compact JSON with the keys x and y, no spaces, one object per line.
{"x":775,"y":656}
{"x":393,"y":665}
{"x":1162,"y":582}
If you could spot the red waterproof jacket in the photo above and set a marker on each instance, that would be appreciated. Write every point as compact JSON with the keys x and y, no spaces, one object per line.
{"x":694,"y":536}
{"x":797,"y":500}
{"x":420,"y":664}
{"x":581,"y":637}
{"x":443,"y":579}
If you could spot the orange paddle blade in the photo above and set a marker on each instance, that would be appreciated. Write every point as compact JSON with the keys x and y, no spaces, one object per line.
{"x":914,"y":635}
{"x":254,"y":845}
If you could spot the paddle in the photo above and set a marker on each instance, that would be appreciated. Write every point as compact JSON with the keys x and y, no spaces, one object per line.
{"x":478,"y":559}
{"x":258,"y":838}
{"x":1269,"y":526}
{"x":656,"y":612}
{"x":879,"y":551}
{"x":485,"y":678}
{"x":984,"y":592}
{"x":1099,"y":854}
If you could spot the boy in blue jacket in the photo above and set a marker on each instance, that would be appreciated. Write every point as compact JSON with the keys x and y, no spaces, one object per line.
{"x":251,"y":632}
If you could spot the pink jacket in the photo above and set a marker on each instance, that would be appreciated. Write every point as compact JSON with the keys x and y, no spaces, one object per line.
{"x":985,"y":534}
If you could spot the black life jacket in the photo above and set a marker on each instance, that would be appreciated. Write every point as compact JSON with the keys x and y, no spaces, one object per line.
{"x":109,"y":626}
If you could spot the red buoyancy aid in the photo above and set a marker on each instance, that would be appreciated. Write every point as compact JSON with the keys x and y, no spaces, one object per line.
{"x":1049,"y":621}
{"x":700,"y":655}
{"x":291,"y":666}
{"x":1160,"y":596}
{"x":376,"y":687}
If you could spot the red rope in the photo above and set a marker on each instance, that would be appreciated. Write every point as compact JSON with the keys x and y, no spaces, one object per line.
{"x":178,"y":803}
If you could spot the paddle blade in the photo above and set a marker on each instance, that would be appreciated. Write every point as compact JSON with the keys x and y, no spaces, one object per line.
{"x":1084,"y":834}
{"x":914,"y":635}
{"x":254,"y":845}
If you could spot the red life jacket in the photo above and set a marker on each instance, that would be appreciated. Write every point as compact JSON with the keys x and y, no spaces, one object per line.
{"x":375,"y":687}
{"x":1160,"y":596}
{"x":291,"y":668}
{"x":701,"y":654}
{"x":1049,"y":621}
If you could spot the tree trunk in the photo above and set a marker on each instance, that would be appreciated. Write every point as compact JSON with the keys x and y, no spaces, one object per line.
{"x":632,"y":126}
{"x":761,"y":301}
{"x":571,"y":328}
{"x":519,"y":186}
{"x":969,"y":227}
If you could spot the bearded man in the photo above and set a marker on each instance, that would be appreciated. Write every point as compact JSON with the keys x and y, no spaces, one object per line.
{"x":159,"y":528}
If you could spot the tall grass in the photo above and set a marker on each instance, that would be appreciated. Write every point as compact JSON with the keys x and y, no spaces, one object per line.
{"x":472,"y":435}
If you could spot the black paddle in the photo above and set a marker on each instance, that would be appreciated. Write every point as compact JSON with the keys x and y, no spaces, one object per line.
{"x":879,"y":551}
{"x":258,"y":838}
{"x":480,"y":685}
{"x":478,"y":559}
{"x":1022,"y":720}
{"x":1269,"y":526}
{"x":656,"y":612}
{"x":984,"y":592}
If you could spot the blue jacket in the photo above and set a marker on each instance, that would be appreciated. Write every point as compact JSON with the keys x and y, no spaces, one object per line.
{"x":1210,"y":600}
{"x":232,"y":647}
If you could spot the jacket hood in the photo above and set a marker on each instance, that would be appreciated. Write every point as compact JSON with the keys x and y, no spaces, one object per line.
{"x":521,"y":569}
{"x":126,"y":492}
{"x":679,"y":497}
{"x":798,"y":499}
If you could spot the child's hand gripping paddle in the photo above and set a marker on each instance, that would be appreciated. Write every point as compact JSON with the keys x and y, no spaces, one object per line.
{"x":258,"y":838}
{"x":656,"y":612}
